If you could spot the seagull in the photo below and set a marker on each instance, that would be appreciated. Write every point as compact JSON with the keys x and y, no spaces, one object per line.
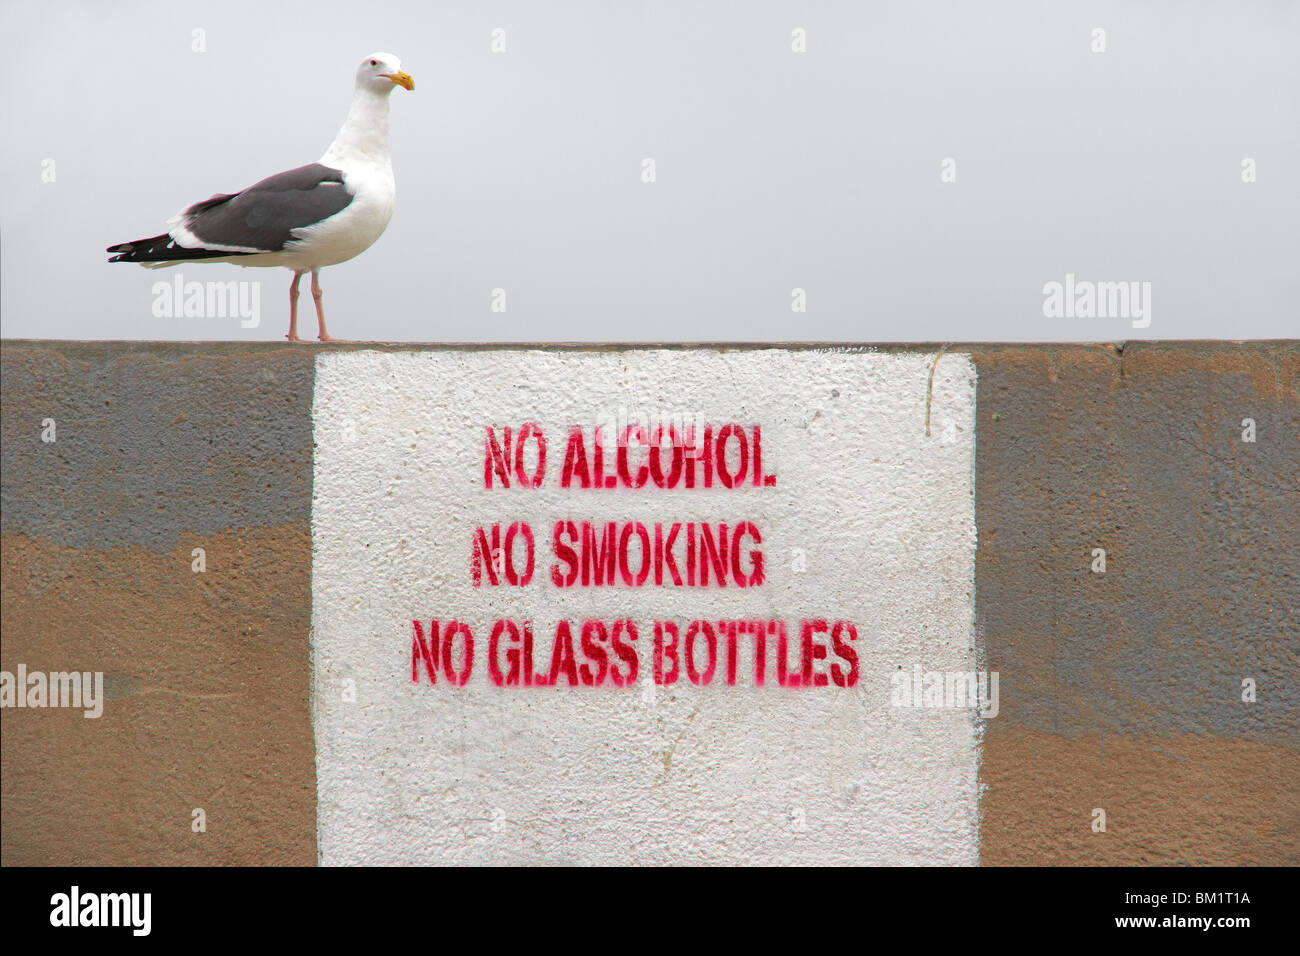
{"x":304,"y":219}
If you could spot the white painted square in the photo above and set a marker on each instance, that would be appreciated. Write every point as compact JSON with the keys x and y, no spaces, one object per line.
{"x":413,"y":773}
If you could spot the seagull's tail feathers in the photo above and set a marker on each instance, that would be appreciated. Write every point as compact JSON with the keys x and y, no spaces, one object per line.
{"x":159,"y":251}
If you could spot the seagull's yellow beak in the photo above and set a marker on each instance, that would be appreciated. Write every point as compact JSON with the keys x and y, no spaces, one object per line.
{"x":401,"y":79}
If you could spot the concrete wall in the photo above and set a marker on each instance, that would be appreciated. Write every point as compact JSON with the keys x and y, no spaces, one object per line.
{"x":159,"y":450}
{"x":335,"y":493}
{"x":1123,"y":690}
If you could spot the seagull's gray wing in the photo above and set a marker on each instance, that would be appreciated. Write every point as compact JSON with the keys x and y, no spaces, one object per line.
{"x":263,"y":217}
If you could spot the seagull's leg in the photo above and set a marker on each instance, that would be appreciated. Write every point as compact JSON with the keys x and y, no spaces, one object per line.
{"x":317,"y":293}
{"x":293,"y":307}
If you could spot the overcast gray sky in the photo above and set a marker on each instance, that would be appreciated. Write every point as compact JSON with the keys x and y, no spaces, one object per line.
{"x":775,"y":169}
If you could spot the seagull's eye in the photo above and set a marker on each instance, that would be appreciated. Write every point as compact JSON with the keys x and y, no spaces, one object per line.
{"x":374,"y":62}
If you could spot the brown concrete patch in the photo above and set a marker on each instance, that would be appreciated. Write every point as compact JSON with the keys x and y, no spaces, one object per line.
{"x":208,"y":679}
{"x":1138,"y":450}
{"x":1170,"y":801}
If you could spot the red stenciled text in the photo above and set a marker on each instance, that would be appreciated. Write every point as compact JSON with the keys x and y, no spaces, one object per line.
{"x":596,"y":652}
{"x":662,"y":456}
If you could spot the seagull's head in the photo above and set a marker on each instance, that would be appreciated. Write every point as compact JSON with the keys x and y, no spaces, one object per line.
{"x":381,"y":72}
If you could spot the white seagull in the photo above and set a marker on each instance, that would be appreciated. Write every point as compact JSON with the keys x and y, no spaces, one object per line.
{"x":314,"y":216}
